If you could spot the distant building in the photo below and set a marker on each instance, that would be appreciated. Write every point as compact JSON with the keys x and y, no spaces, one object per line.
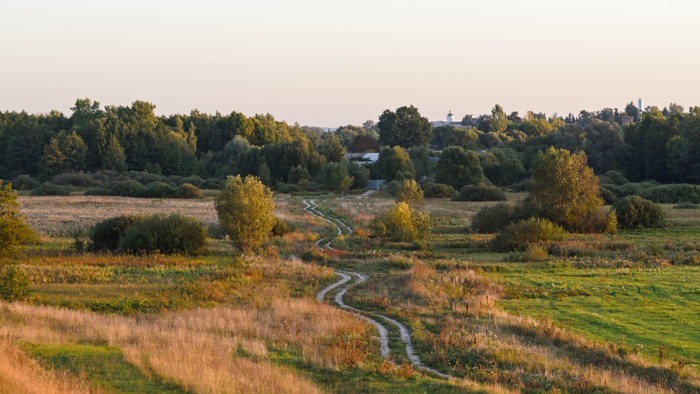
{"x":450,"y":121}
{"x":626,"y":119}
{"x":362,"y":158}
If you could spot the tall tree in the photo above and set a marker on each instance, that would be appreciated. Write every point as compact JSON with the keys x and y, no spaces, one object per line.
{"x":405,"y":128}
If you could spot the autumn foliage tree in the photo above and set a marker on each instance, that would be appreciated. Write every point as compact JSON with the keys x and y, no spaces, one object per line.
{"x":13,"y":230}
{"x":245,"y":210}
{"x":566,"y":190}
{"x":403,"y":224}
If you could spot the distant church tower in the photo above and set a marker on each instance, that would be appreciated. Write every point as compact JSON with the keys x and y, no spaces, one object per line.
{"x":450,"y":117}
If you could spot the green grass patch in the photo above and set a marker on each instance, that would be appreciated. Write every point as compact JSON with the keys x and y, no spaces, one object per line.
{"x":644,"y":309}
{"x":105,"y":367}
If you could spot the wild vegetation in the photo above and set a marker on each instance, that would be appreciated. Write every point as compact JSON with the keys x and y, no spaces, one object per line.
{"x":489,"y":263}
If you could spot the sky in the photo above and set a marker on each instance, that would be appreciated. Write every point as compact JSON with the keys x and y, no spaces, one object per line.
{"x":329,"y":63}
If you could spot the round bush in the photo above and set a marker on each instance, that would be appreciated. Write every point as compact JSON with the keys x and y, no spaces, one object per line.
{"x":480,"y":193}
{"x":49,"y":189}
{"x":165,"y":234}
{"x":24,"y":182}
{"x":14,"y":283}
{"x":188,"y":190}
{"x":280,"y":227}
{"x":439,"y":190}
{"x":533,"y":231}
{"x":107,"y":233}
{"x":494,"y":218}
{"x":193,"y":180}
{"x":212,"y":184}
{"x":77,"y":179}
{"x":128,"y":188}
{"x":638,"y":212}
{"x":158,"y":190}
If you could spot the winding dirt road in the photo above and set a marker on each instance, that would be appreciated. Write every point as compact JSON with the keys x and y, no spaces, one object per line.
{"x":350,"y":279}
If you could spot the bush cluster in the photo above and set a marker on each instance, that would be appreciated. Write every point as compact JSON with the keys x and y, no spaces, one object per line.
{"x":14,"y":283}
{"x":402,"y":223}
{"x":637,"y":212}
{"x":480,"y":192}
{"x":50,"y":189}
{"x":439,"y":190}
{"x":168,"y":234}
{"x":533,"y":231}
{"x":157,"y":189}
{"x":492,"y":219}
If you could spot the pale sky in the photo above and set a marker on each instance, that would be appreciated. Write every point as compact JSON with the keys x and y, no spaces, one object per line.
{"x":329,"y":63}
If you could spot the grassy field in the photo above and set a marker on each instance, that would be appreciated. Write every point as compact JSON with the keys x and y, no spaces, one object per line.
{"x":596,"y":314}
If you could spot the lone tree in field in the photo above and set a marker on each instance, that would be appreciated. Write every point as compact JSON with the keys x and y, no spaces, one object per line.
{"x":245,"y":209}
{"x":14,"y":283}
{"x":13,"y":230}
{"x":566,"y":190}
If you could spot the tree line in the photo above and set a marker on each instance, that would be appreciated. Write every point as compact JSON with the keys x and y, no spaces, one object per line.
{"x":659,"y":144}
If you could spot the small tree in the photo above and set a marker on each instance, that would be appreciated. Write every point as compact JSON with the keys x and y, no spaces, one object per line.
{"x":566,"y":190}
{"x":403,"y":223}
{"x":458,"y":167}
{"x":410,"y":193}
{"x":638,"y":212}
{"x":13,"y":230}
{"x":245,"y":209}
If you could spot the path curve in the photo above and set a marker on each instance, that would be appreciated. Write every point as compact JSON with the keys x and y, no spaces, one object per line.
{"x":346,"y":282}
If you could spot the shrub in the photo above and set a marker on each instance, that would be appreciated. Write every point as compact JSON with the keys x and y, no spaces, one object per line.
{"x":173,"y":233}
{"x":158,"y":190}
{"x":188,"y":190}
{"x":106,"y":234}
{"x":494,"y":218}
{"x":14,"y":283}
{"x":280,"y":227}
{"x":409,"y":192}
{"x":49,"y":189}
{"x":533,"y":231}
{"x":614,"y":178}
{"x":523,"y":186}
{"x":672,"y":194}
{"x":128,"y":188}
{"x":13,"y":230}
{"x":245,"y":209}
{"x":77,"y":179}
{"x":638,"y":212}
{"x":145,"y":178}
{"x":403,"y":224}
{"x":24,"y":182}
{"x":212,"y":184}
{"x":298,"y":174}
{"x":609,"y":197}
{"x":480,"y":193}
{"x":192,"y":180}
{"x":439,"y":190}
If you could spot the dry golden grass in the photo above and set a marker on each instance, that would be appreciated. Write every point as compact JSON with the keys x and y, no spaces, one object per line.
{"x":21,"y":374}
{"x":60,"y":215}
{"x":200,"y":350}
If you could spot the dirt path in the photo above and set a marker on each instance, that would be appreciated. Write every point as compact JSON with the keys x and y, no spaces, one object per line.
{"x":351,"y":279}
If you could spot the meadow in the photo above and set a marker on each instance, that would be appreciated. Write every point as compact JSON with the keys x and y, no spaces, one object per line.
{"x":591,"y":314}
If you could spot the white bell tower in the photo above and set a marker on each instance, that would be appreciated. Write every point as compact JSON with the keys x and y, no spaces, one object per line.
{"x":450,"y":117}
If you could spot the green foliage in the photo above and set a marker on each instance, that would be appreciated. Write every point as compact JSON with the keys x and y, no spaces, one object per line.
{"x":502,"y":167}
{"x":458,"y":167}
{"x":188,"y":190}
{"x":405,"y":128}
{"x":566,"y":190}
{"x":403,"y":224}
{"x":298,"y":174}
{"x":494,"y":218}
{"x":281,"y":227}
{"x":480,"y":192}
{"x":439,"y":190}
{"x":50,"y":189}
{"x":157,"y":190}
{"x":409,"y":192}
{"x":334,"y":177}
{"x":14,"y":283}
{"x":533,"y":231}
{"x":638,"y":212}
{"x":13,"y":230}
{"x":25,"y":182}
{"x":245,"y":209}
{"x":393,"y":161}
{"x":360,"y":175}
{"x":167,"y":234}
{"x":672,"y":194}
{"x":106,"y":234}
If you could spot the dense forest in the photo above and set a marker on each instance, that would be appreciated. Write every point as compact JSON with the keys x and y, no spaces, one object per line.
{"x":116,"y":144}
